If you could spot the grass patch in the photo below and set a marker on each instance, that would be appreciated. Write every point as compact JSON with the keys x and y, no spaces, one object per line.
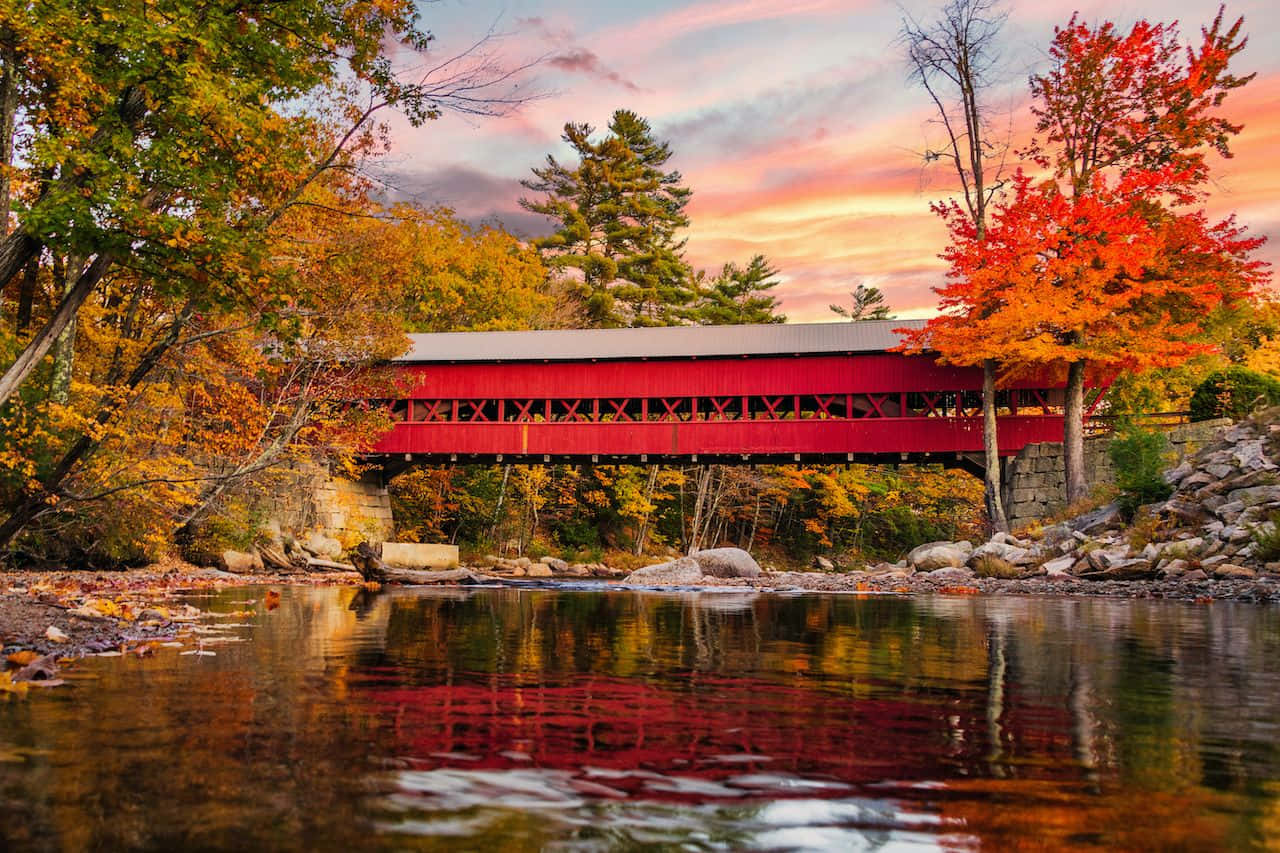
{"x":991,"y":566}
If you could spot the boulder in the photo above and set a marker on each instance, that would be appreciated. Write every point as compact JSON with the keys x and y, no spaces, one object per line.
{"x":241,"y":562}
{"x":419,"y":555}
{"x":1231,"y":570}
{"x":726,"y":563}
{"x":1060,"y":566}
{"x":318,"y":545}
{"x":1100,"y":519}
{"x":1195,"y":575}
{"x":939,"y":555}
{"x":682,"y":571}
{"x":952,"y":574}
{"x":1255,"y":495}
{"x":1008,"y":552}
{"x":555,"y":564}
{"x":538,"y":570}
{"x":824,"y":564}
{"x":1055,"y":534}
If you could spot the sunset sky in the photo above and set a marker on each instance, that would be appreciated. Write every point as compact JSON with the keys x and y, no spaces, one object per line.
{"x":793,"y":121}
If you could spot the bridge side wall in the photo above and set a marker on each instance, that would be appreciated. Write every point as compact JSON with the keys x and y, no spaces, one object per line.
{"x":1035,"y":480}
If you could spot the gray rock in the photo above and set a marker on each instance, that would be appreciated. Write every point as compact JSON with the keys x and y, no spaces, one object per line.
{"x":318,"y":545}
{"x":241,"y":562}
{"x":682,"y":571}
{"x":1007,"y":552}
{"x":1174,"y":568}
{"x":939,"y":555}
{"x":1055,"y":534}
{"x":1230,"y":570}
{"x":1255,"y":495}
{"x":726,"y":563}
{"x":1100,"y":519}
{"x":952,"y":574}
{"x":537,"y":570}
{"x":1215,"y":560}
{"x":1174,"y":476}
{"x":1060,"y":566}
{"x":555,"y":564}
{"x":1195,"y":481}
{"x":1252,"y":456}
{"x":1220,"y":471}
{"x":824,"y":564}
{"x":1195,"y":575}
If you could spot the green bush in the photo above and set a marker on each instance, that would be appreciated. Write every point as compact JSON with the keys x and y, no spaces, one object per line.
{"x":1138,"y":456}
{"x":1233,"y":393}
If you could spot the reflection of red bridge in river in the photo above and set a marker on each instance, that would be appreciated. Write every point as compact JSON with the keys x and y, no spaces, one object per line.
{"x":820,"y":392}
{"x":647,"y":736}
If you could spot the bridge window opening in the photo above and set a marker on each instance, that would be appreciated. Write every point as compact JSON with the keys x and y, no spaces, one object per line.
{"x":720,"y":408}
{"x":770,"y":408}
{"x":1040,"y":401}
{"x":926,"y":404}
{"x":620,"y":410}
{"x":432,"y":410}
{"x":823,"y":406}
{"x":520,"y":410}
{"x":477,"y":411}
{"x":969,"y":404}
{"x":399,"y":409}
{"x":671,"y":408}
{"x":876,"y":406}
{"x":571,"y":410}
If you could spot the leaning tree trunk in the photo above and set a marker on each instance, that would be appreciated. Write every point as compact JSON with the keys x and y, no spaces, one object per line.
{"x":1073,"y":433}
{"x":38,"y":347}
{"x":991,"y":450}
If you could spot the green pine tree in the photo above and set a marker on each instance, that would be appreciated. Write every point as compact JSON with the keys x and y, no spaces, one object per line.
{"x":738,"y":295}
{"x":618,"y":213}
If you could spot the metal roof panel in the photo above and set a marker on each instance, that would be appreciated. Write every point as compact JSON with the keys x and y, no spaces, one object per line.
{"x":657,"y":342}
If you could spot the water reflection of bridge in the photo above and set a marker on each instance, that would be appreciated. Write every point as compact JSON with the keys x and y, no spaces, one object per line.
{"x":830,"y":392}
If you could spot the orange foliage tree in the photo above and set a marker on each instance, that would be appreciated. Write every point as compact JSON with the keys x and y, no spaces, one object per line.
{"x":1108,"y":265}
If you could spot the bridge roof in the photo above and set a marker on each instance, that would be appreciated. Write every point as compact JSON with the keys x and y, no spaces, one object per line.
{"x":658,"y":342}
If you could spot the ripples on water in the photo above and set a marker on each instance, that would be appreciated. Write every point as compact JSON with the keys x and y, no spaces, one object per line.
{"x":520,"y":719}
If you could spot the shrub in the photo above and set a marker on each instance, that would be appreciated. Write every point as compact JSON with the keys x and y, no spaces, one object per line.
{"x":991,"y":566}
{"x":1138,"y":456}
{"x":1266,"y":539}
{"x":1233,"y":393}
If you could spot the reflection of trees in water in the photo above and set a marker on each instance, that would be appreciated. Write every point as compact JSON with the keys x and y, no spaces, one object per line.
{"x":1165,"y":710}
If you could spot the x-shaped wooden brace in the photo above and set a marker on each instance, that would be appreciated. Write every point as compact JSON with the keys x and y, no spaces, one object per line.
{"x":931,"y":402}
{"x":824,"y":406}
{"x":523,"y":412}
{"x":670,"y":406}
{"x":571,"y":412}
{"x":620,"y":410}
{"x":477,"y":410}
{"x":721,"y":410}
{"x":772,"y":407}
{"x":433,"y":410}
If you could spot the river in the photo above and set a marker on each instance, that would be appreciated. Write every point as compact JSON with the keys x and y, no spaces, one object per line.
{"x":503,"y":719}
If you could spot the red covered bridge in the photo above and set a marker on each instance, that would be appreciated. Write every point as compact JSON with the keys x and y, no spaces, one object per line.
{"x":829,"y":392}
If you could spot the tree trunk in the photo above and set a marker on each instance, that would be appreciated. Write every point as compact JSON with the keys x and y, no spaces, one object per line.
{"x":33,"y":504}
{"x":991,"y":450}
{"x":643,"y":531}
{"x":8,"y":109}
{"x":39,"y":345}
{"x":1073,"y":434}
{"x":27,"y":296}
{"x":64,"y":349}
{"x":699,"y":504}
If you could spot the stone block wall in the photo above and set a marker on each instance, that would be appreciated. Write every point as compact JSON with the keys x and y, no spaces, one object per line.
{"x":352,"y":511}
{"x":1035,"y":479}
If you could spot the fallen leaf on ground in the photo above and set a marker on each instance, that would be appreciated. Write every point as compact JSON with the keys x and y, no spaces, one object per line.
{"x":22,"y":658}
{"x":55,"y":634}
{"x":8,"y":685}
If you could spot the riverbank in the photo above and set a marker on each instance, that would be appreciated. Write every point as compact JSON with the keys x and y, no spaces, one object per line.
{"x":70,"y":614}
